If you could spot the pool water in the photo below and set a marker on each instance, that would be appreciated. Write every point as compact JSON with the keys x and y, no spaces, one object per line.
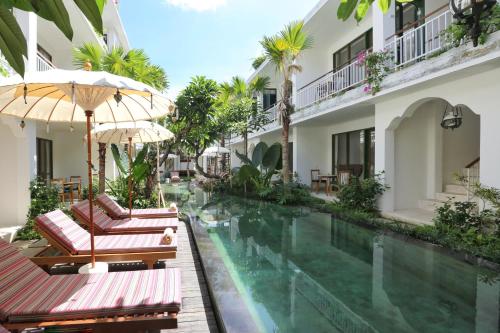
{"x":303,"y":271}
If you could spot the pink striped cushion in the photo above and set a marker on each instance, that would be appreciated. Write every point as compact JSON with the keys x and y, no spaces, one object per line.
{"x":117,"y":212}
{"x":59,"y":226}
{"x":3,"y":329}
{"x":17,"y":275}
{"x":110,"y":206}
{"x":86,"y":296}
{"x":107,"y":224}
{"x":129,"y":244}
{"x":153,"y":212}
{"x":101,"y":220}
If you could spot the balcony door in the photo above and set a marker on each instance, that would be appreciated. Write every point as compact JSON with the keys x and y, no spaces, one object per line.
{"x":269,"y":98}
{"x":355,"y":152}
{"x":44,"y":163}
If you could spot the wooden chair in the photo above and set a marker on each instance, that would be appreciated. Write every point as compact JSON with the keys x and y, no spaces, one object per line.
{"x":343,"y":179}
{"x":315,"y":179}
{"x":58,"y":183}
{"x":78,"y":186}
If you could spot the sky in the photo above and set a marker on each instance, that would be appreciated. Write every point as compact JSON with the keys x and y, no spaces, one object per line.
{"x":215,"y":38}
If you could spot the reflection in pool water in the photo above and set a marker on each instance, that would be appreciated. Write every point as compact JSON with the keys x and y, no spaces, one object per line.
{"x":304,"y":271}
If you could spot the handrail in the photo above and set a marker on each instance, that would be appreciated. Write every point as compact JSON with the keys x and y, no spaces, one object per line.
{"x":471,"y":164}
{"x":414,"y":24}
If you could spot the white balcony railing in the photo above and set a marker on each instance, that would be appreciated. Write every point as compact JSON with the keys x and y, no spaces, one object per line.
{"x":42,"y":64}
{"x":419,"y":42}
{"x":272,"y":113}
{"x":331,"y":84}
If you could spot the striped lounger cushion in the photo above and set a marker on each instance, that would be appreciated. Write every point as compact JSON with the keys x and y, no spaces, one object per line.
{"x":107,"y":224}
{"x":116,"y":211}
{"x":42,"y":297}
{"x":3,"y":329}
{"x":77,"y":240}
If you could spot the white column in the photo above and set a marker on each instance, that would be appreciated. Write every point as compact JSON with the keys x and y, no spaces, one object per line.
{"x":384,"y":26}
{"x":28,"y":23}
{"x":295,"y":140}
{"x":385,"y":159}
{"x":490,"y":156}
{"x":435,"y":153}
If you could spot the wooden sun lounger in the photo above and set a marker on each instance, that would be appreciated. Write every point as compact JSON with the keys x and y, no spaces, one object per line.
{"x":30,"y":298}
{"x":115,"y":211}
{"x":105,"y":225}
{"x":71,"y":233}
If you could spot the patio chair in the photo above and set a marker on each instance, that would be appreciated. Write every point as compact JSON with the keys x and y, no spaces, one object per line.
{"x":112,"y":302}
{"x":105,"y":225}
{"x":73,"y":242}
{"x":62,"y":190}
{"x":77,"y":186}
{"x":343,"y":179}
{"x":315,"y":180}
{"x":174,"y":177}
{"x":115,"y":211}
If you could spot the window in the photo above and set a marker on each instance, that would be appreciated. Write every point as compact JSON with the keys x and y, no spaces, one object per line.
{"x":44,"y":166}
{"x":46,"y":55}
{"x":408,"y":13}
{"x":354,"y":151}
{"x":269,"y":98}
{"x":349,"y":52}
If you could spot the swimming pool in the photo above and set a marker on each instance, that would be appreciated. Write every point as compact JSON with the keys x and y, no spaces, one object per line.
{"x":303,"y":271}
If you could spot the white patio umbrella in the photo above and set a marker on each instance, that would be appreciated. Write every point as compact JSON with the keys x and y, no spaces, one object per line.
{"x":215,"y":151}
{"x":80,"y":96}
{"x":133,"y":132}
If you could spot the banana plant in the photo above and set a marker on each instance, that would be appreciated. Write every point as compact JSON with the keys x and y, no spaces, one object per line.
{"x":266,"y":161}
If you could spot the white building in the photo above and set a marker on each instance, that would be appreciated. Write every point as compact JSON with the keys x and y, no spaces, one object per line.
{"x":54,"y":151}
{"x":337,"y":125}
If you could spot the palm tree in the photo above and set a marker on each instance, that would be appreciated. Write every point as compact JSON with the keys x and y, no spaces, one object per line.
{"x":283,"y":50}
{"x":134,"y":64}
{"x":238,"y":90}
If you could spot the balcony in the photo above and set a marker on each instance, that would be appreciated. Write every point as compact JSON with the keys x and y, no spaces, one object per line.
{"x":412,"y":46}
{"x":330,"y":84}
{"x":42,"y":64}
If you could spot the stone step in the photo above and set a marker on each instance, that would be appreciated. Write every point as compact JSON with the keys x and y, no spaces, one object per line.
{"x":454,"y":197}
{"x":430,"y":204}
{"x":455,"y":188}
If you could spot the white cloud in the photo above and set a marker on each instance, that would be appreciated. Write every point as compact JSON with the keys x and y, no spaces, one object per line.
{"x":197,"y":5}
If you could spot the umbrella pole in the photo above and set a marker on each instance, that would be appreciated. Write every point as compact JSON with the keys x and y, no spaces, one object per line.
{"x":130,"y":177}
{"x":89,"y":114}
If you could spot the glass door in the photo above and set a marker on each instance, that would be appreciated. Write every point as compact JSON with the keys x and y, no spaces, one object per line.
{"x":44,"y":165}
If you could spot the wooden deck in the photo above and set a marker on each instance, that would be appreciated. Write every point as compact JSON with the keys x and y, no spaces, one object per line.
{"x":196,"y":315}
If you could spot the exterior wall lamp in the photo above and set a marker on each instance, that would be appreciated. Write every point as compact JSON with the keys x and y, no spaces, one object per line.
{"x":470,"y":11}
{"x":452,"y":117}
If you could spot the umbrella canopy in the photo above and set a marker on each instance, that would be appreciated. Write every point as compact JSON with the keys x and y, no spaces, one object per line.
{"x":77,"y":96}
{"x":138,"y":132}
{"x":132,"y":132}
{"x":212,"y":151}
{"x":63,"y":96}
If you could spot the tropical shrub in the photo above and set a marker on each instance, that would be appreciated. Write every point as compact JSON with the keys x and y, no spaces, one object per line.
{"x":85,"y":190}
{"x":257,"y":172}
{"x":44,"y":198}
{"x":376,"y":69}
{"x":362,"y":194}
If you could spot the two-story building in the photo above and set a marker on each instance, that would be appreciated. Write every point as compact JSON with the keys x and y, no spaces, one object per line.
{"x":39,"y":149}
{"x":339,"y":125}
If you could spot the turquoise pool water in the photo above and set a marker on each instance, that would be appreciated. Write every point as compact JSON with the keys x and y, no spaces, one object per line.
{"x":302,"y":271}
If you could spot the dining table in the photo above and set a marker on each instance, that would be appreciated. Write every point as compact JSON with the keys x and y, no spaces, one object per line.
{"x":328,"y":179}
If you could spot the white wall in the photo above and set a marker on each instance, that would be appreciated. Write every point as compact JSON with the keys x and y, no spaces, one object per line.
{"x":15,"y":173}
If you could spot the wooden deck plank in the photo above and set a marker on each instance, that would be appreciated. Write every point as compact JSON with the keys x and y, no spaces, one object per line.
{"x":196,"y":315}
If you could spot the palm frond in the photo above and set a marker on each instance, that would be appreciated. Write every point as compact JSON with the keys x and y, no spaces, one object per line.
{"x":88,"y":52}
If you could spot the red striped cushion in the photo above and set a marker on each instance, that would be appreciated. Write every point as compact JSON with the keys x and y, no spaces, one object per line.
{"x":154,"y":212}
{"x":129,"y":244}
{"x":3,"y":329}
{"x":111,"y":206}
{"x":86,"y":296}
{"x":17,"y":275}
{"x":59,"y":226}
{"x":135,"y":224}
{"x":101,"y":220}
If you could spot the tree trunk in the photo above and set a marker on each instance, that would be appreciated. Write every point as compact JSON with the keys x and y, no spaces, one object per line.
{"x":245,"y":143}
{"x":102,"y":167}
{"x":223,"y":161}
{"x":285,"y":111}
